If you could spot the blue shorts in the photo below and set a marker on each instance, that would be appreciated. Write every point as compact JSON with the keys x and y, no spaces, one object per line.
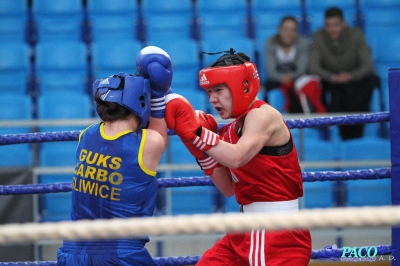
{"x":121,"y":252}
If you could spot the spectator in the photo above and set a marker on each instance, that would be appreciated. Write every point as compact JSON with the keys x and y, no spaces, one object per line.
{"x":341,"y":58}
{"x":287,"y":62}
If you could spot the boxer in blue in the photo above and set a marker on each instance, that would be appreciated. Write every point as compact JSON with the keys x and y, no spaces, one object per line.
{"x":116,"y":160}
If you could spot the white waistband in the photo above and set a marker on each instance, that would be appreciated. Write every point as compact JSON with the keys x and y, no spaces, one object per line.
{"x":276,"y":206}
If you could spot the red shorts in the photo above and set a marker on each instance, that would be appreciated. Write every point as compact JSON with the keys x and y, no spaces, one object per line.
{"x":259,"y":248}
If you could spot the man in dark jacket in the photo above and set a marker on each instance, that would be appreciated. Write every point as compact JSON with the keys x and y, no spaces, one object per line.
{"x":341,"y":58}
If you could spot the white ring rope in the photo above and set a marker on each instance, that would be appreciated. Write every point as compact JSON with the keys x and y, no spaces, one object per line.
{"x":192,"y":224}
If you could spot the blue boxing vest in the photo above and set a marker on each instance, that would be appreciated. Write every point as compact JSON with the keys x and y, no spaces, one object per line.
{"x":110,"y":179}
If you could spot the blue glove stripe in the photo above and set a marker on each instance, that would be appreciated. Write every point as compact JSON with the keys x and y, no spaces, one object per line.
{"x":157,"y":108}
{"x":158,"y":102}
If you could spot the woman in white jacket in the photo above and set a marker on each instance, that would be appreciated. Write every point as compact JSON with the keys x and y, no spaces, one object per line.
{"x":287,"y":63}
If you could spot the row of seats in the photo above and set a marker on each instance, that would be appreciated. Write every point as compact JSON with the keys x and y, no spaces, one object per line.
{"x":56,"y":19}
{"x":218,"y":25}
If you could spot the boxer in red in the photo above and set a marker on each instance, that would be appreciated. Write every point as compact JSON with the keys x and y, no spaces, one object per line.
{"x":253,"y":157}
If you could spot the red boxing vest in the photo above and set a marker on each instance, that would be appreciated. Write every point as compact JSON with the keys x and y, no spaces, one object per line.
{"x":264,"y":178}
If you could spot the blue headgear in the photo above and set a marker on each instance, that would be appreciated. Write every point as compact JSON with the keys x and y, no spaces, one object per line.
{"x":131,"y":92}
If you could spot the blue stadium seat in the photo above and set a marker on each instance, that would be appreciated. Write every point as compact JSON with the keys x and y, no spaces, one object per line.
{"x":206,"y":6}
{"x":13,"y":7}
{"x":192,"y":200}
{"x":112,"y":20}
{"x":178,"y":152}
{"x":318,"y":194}
{"x":376,"y":17}
{"x":360,"y":149}
{"x":109,"y":59}
{"x":16,"y":106}
{"x":171,"y":27}
{"x":61,"y":66}
{"x":267,"y":24}
{"x":168,"y":19}
{"x":287,"y":6}
{"x":389,"y":51}
{"x":276,"y":99}
{"x":380,"y":3}
{"x":113,"y":27}
{"x":222,"y":26}
{"x":16,"y":155}
{"x":197,"y":97}
{"x":313,"y":149}
{"x":119,"y":7}
{"x":58,"y":153}
{"x":14,"y":15}
{"x":65,"y":105}
{"x":57,"y":20}
{"x":222,"y":19}
{"x":55,"y":206}
{"x":359,"y":192}
{"x":14,"y":67}
{"x":322,"y":5}
{"x":231,"y":205}
{"x":172,"y":6}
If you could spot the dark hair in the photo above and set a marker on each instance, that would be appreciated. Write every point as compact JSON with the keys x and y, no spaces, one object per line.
{"x":334,"y":12}
{"x":231,"y":59}
{"x":109,"y":111}
{"x":288,"y":18}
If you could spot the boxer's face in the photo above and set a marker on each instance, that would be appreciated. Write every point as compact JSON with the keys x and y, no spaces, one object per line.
{"x":221,"y":100}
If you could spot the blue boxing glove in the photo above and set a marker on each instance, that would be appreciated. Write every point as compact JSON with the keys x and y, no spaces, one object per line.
{"x":154,"y":63}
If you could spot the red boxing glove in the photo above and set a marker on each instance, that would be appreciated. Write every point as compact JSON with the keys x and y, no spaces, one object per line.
{"x":181,"y":117}
{"x":206,"y":162}
{"x":207,"y":120}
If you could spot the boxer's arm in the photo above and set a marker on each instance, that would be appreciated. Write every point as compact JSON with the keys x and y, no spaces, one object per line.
{"x":159,"y":125}
{"x":263,"y":126}
{"x":223,"y":181}
{"x":153,"y":149}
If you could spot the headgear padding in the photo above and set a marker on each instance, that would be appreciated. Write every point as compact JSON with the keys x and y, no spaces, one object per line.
{"x":239,"y":74}
{"x":131,"y":92}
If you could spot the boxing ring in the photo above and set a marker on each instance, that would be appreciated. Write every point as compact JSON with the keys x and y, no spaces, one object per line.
{"x":352,"y":217}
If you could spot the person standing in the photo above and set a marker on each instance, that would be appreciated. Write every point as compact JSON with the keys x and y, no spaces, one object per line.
{"x":116,"y":160}
{"x":341,"y":57}
{"x":253,"y":157}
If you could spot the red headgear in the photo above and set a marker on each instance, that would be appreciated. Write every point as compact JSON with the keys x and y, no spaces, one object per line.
{"x":242,"y":80}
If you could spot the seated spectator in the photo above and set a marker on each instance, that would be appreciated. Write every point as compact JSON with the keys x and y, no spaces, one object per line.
{"x":341,"y":58}
{"x":286,"y":62}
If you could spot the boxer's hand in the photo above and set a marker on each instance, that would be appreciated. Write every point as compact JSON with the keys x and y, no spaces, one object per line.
{"x":181,"y":117}
{"x":155,"y":64}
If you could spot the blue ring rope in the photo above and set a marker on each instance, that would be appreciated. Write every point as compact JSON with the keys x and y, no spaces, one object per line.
{"x":292,"y":123}
{"x":365,"y":174}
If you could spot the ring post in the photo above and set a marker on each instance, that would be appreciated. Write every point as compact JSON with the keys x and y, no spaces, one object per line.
{"x":394,"y":100}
